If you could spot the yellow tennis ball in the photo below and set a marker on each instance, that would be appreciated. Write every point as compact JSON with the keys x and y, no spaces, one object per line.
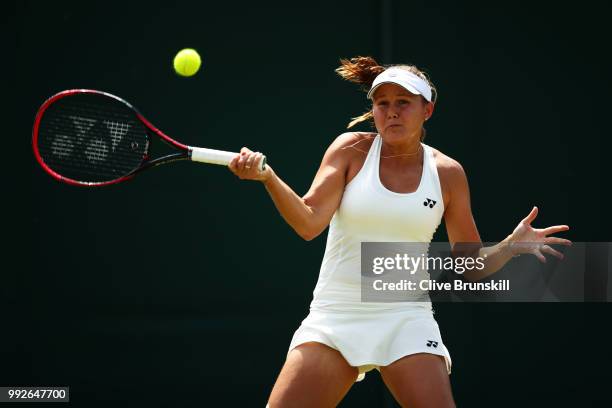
{"x":187,"y":62}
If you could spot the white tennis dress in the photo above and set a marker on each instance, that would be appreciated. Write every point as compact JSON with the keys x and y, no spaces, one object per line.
{"x":373,"y":334}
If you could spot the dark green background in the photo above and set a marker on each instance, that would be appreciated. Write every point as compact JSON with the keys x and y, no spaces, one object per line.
{"x":183,"y":287}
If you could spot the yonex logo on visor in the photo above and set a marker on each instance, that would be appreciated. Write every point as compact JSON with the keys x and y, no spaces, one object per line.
{"x":406,"y":79}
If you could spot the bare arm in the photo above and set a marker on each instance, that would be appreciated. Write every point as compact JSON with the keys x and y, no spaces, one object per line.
{"x":311,"y":214}
{"x":460,"y":225}
{"x":461,"y":229}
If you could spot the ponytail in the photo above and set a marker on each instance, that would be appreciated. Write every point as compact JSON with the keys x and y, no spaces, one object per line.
{"x":363,"y":71}
{"x":360,"y":70}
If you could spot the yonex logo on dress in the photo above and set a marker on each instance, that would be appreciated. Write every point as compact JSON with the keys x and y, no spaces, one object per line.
{"x":432,"y":343}
{"x":429,"y":203}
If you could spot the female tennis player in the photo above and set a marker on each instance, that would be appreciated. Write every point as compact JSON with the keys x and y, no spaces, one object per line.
{"x":371,"y":187}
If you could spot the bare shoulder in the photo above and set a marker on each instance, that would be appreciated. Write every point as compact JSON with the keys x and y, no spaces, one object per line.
{"x":359,"y":140}
{"x":349,"y":146}
{"x":453,"y":179}
{"x":347,"y":153}
{"x":447,"y":167}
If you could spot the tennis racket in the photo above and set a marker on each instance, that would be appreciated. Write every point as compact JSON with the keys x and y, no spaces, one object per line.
{"x":91,"y":138}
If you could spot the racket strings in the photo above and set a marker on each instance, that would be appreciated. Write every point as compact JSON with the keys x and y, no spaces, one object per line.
{"x":91,"y":138}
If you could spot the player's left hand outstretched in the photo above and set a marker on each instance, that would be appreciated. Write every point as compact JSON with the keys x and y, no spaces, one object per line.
{"x":528,"y":240}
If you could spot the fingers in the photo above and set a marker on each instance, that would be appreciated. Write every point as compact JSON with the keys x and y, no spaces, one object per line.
{"x":554,"y":229}
{"x":246,"y":164}
{"x":555,"y":240}
{"x":539,"y":255}
{"x":538,"y":249}
{"x":548,"y":250}
{"x":258,"y":159}
{"x":532,"y":215}
{"x":245,"y":153}
{"x":233,"y":165}
{"x":539,"y":237}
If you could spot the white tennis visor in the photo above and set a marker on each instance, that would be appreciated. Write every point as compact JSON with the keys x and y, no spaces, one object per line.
{"x":406,"y":79}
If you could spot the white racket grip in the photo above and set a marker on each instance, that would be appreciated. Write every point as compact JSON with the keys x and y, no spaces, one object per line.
{"x":212,"y":156}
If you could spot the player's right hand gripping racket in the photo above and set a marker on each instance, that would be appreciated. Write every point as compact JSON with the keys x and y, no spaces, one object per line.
{"x":92,"y":138}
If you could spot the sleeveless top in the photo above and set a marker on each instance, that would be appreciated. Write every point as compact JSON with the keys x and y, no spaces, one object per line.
{"x":369,"y":212}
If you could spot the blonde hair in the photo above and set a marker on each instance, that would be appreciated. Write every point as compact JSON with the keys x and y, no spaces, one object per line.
{"x":363,"y":71}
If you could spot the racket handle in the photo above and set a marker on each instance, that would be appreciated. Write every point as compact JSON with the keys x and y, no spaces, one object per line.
{"x":211,"y":156}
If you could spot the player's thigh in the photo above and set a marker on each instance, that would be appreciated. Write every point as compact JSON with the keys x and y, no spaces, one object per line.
{"x":419,"y":381}
{"x":314,"y":375}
